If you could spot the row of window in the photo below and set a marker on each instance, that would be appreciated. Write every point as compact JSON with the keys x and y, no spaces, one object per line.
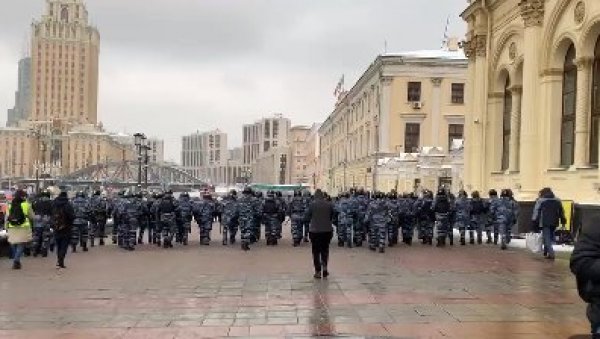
{"x":412,"y":136}
{"x":457,"y":94}
{"x":568,"y":116}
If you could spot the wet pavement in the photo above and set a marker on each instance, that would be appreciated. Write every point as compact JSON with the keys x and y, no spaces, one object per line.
{"x":216,"y":291}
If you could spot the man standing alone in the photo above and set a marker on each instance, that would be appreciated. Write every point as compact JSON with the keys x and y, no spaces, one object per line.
{"x":320,"y":214}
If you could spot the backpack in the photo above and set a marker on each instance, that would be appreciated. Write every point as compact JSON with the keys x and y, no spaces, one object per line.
{"x":60,"y":220}
{"x":270,"y":207}
{"x":442,"y":205}
{"x":16,"y":216}
{"x":477,"y":207}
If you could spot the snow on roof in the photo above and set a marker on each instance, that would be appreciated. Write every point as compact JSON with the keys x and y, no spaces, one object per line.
{"x":432,"y":54}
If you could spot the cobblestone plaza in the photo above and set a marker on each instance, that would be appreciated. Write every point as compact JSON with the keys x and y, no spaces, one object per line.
{"x":217,"y":291}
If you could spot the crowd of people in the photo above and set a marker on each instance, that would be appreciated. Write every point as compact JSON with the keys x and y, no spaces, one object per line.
{"x":377,"y":220}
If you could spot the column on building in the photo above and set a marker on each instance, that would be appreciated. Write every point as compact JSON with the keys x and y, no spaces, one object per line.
{"x":435,"y":111}
{"x":515,"y":128}
{"x":530,"y":117}
{"x":385,"y":89}
{"x":582,"y":126}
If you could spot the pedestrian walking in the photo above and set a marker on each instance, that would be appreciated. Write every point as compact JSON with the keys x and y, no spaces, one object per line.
{"x":320,"y":215}
{"x":20,"y":219}
{"x":548,"y":212}
{"x":63,"y":217}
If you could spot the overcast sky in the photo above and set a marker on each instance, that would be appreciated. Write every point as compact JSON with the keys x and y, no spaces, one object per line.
{"x":171,"y":67}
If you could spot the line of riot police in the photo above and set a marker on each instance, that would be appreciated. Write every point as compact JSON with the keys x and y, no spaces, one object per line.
{"x":381,"y":219}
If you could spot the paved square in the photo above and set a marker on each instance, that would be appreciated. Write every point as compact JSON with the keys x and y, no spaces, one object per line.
{"x":216,"y":291}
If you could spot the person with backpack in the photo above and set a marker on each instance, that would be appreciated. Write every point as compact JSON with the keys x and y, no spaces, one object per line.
{"x":478,"y":210}
{"x":442,"y":208}
{"x":18,"y":226}
{"x":270,"y":218}
{"x":63,"y":216}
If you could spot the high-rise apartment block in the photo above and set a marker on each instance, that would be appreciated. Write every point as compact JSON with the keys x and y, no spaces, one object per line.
{"x":22,"y":107}
{"x":263,"y":135}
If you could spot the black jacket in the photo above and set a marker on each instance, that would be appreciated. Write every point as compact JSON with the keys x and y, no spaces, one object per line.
{"x":585,"y":264}
{"x":62,"y":207}
{"x":320,"y":214}
{"x":548,"y":212}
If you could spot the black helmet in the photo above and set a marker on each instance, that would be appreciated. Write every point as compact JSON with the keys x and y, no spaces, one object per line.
{"x":184,"y":195}
{"x":139,"y":195}
{"x":462,"y":194}
{"x":80,"y":194}
{"x":441,"y":190}
{"x":475,"y":195}
{"x":97,"y":192}
{"x":493,"y":193}
{"x":504,"y":193}
{"x":247,"y":191}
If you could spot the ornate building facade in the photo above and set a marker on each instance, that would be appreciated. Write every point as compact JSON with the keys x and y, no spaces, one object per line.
{"x":402,"y":104}
{"x":56,"y":130}
{"x":534,"y":108}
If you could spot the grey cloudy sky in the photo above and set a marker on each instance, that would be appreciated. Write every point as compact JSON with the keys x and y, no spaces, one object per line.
{"x":171,"y":67}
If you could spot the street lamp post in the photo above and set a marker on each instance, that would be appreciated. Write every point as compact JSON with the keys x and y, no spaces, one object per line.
{"x":139,"y":139}
{"x":146,"y":160}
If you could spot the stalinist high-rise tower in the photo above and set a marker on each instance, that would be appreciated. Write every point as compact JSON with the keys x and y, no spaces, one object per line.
{"x":64,"y":65}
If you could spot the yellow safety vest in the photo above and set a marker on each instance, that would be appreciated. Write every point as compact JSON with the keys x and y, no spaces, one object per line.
{"x":25,"y":206}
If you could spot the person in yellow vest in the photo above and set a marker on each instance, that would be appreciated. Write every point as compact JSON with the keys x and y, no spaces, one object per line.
{"x":18,"y":225}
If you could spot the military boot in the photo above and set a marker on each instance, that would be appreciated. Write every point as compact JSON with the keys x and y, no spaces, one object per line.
{"x":340,"y":243}
{"x":463,"y":241}
{"x":232,"y":240}
{"x":381,"y":249}
{"x":441,"y":242}
{"x":245,"y":246}
{"x":451,"y":239}
{"x":372,"y":248}
{"x":140,"y":241}
{"x":101,"y":242}
{"x":409,"y":241}
{"x":495,"y":238}
{"x":74,"y":248}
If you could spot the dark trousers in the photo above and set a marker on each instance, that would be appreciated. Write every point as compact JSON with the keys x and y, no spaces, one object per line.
{"x":320,"y":249}
{"x":62,"y":244}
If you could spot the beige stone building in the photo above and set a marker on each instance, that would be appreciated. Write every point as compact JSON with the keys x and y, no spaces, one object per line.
{"x":64,"y":64}
{"x":534,"y":108}
{"x":402,"y":103}
{"x":56,"y":130}
{"x":313,"y":150}
{"x":272,"y":167}
{"x":298,"y":156}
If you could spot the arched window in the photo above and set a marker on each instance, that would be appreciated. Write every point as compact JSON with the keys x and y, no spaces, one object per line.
{"x":64,"y":14}
{"x":595,"y":116}
{"x":506,"y":112}
{"x":569,"y":99}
